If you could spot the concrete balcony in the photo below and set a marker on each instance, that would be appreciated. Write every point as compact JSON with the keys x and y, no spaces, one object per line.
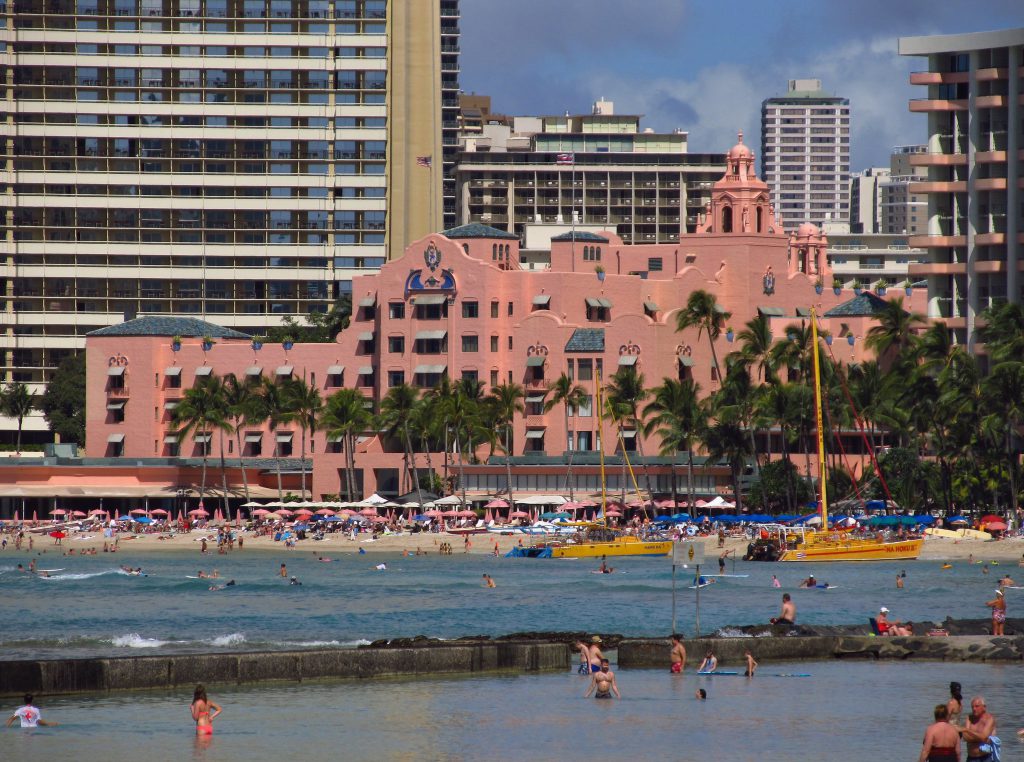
{"x":990,"y":239}
{"x":937,"y":268}
{"x":925,"y":105}
{"x":939,"y":186}
{"x":938,"y":159}
{"x":990,"y":266}
{"x":937,"y":241}
{"x":938,"y":77}
{"x":988,"y":157}
{"x":991,"y":101}
{"x":990,"y":183}
{"x":991,"y":74}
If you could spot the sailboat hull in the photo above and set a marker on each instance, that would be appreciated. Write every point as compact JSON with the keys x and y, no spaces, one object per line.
{"x":854,"y":550}
{"x":627,"y":546}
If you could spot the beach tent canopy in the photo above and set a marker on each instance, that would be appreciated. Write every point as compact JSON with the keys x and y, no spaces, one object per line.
{"x":541,"y":500}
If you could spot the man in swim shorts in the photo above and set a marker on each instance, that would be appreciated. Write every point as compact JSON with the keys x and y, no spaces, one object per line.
{"x":29,"y":715}
{"x":678,"y":655}
{"x":977,"y":731}
{"x":604,"y":682}
{"x":595,"y":654}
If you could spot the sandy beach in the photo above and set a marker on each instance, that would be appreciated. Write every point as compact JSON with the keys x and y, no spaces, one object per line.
{"x":935,"y":548}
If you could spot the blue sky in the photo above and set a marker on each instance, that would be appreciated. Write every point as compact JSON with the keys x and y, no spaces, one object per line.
{"x":705,"y":66}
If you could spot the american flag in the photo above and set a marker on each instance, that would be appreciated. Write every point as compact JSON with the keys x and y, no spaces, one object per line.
{"x":423,"y":161}
{"x":565,"y":158}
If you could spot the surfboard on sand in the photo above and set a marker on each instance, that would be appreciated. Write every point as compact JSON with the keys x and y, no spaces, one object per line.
{"x":958,"y":534}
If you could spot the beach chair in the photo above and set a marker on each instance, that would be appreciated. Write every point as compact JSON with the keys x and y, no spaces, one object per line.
{"x":874,"y":625}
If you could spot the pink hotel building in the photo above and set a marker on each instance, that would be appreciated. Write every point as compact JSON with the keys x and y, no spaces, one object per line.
{"x":458,"y":304}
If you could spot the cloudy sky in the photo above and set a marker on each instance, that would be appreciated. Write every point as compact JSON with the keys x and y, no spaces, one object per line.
{"x":706,"y":65}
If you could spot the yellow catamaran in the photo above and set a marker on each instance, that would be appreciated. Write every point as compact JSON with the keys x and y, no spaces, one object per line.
{"x":597,"y":539}
{"x":824,"y":545}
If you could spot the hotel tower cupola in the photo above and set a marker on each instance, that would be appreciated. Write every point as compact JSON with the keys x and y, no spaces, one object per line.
{"x":740,"y":201}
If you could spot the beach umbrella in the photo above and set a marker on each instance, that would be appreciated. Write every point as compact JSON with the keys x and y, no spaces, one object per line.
{"x":303,"y":512}
{"x":124,"y":518}
{"x":198,"y":512}
{"x":58,"y":512}
{"x":996,"y":526}
{"x":252,"y":504}
{"x":325,"y":512}
{"x":143,"y":520}
{"x":519,"y":515}
{"x":284,"y":512}
{"x":434,"y":513}
{"x":990,"y":517}
{"x":261,"y":512}
{"x":497,"y":503}
{"x":78,"y":514}
{"x":613,"y":512}
{"x":368,"y":512}
{"x":94,"y":512}
{"x":271,"y":515}
{"x":58,"y":535}
{"x":137,"y":511}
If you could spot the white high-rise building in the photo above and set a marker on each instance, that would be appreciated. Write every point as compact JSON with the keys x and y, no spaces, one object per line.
{"x":238,"y":160}
{"x":805,"y":153}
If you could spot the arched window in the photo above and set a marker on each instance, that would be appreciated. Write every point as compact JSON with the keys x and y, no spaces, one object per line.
{"x":465,"y":247}
{"x":586,"y":253}
{"x":494,"y":252}
{"x":508,"y":252}
{"x":727,"y":219}
{"x":760,"y":216}
{"x":597,"y":253}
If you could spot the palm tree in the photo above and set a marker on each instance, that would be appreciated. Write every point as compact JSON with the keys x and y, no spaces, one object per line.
{"x":441,"y":396}
{"x":275,"y":409}
{"x":781,"y":403}
{"x":202,"y":410}
{"x":507,"y":402}
{"x":564,"y":391}
{"x":305,"y":403}
{"x":18,"y":402}
{"x":396,"y":413}
{"x":893,"y":337}
{"x":242,"y":407}
{"x":703,"y":313}
{"x":345,"y":415}
{"x":626,"y":387}
{"x":618,"y":413}
{"x":1005,"y":395}
{"x":726,"y":440}
{"x":675,"y":415}
{"x":756,"y":348}
{"x":1002,"y":331}
{"x":461,"y":412}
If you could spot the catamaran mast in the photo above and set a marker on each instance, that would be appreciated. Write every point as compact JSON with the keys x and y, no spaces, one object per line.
{"x":817,"y":416}
{"x":600,"y":444}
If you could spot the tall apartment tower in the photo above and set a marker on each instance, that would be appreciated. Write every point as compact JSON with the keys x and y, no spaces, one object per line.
{"x":865,"y":200}
{"x":590,"y":169}
{"x":238,"y":160}
{"x":975,"y":157}
{"x":805,"y":151}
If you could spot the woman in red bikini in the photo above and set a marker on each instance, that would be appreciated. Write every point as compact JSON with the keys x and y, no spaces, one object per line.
{"x":941,"y":740}
{"x":201,"y":711}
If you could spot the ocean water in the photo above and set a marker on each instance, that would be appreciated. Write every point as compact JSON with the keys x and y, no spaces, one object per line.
{"x":843,"y":711}
{"x":92,"y":608}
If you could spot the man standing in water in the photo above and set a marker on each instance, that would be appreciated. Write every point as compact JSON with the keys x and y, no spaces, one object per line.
{"x":596,"y":657}
{"x":678,"y":654}
{"x":980,"y":726}
{"x":604,"y":681}
{"x":29,"y":715}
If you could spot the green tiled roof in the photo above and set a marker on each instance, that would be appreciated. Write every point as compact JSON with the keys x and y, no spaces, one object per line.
{"x":155,"y":325}
{"x":865,"y":305}
{"x":586,"y":340}
{"x":580,"y":235}
{"x":478,"y":230}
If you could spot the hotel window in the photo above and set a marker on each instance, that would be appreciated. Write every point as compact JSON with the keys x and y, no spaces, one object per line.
{"x":654,"y":264}
{"x":396,"y":377}
{"x":586,"y":370}
{"x":396,"y":344}
{"x":585,"y":409}
{"x":510,"y":309}
{"x":494,"y":343}
{"x":470,"y":375}
{"x":470,"y":309}
{"x":494,"y":309}
{"x":396,"y":310}
{"x":470,"y":344}
{"x":494,"y":378}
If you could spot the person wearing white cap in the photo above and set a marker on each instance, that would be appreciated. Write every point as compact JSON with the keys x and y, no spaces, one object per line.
{"x":998,"y":605}
{"x":885,"y":627}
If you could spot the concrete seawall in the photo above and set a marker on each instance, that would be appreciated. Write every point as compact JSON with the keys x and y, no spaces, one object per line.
{"x":62,"y":676}
{"x":646,"y":653}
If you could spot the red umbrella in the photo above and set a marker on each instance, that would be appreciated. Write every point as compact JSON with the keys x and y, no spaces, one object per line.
{"x":284,"y":512}
{"x":497,"y":503}
{"x":996,"y":526}
{"x":434,"y":513}
{"x":325,"y":512}
{"x":158,"y":512}
{"x":519,"y":515}
{"x":261,"y":512}
{"x":369,"y":512}
{"x":613,"y":512}
{"x":58,"y":535}
{"x":990,"y":518}
{"x":303,"y":512}
{"x":137,"y":511}
{"x":78,"y":514}
{"x":58,"y":512}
